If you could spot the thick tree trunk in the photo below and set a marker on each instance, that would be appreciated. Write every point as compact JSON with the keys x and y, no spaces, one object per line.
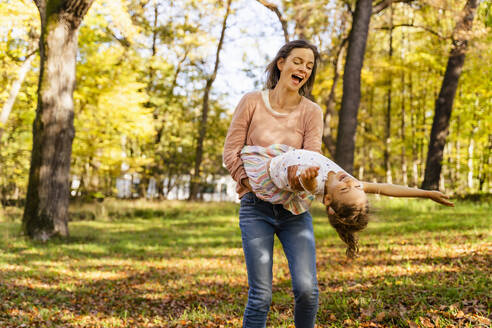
{"x":195,"y":180}
{"x":347,"y":123}
{"x":46,"y":209}
{"x":444,"y":102}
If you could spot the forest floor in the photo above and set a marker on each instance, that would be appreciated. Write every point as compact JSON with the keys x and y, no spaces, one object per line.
{"x":180,"y":264}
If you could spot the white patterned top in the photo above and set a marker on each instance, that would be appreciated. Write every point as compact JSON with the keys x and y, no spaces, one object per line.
{"x":305,"y":159}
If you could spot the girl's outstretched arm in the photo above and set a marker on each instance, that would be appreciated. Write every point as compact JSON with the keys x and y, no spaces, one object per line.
{"x":387,"y":189}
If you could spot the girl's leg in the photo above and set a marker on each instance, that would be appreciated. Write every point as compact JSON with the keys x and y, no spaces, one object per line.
{"x":297,"y":238}
{"x":257,"y":234}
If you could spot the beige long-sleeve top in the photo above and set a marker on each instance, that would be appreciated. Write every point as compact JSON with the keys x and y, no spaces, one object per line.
{"x":255,"y":123}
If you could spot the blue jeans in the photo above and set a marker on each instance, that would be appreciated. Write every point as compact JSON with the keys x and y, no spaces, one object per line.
{"x":259,"y":222}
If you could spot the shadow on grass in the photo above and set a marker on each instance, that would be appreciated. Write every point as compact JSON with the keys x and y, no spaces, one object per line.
{"x":167,"y":294}
{"x":157,"y":293}
{"x":157,"y":242}
{"x":406,"y":297}
{"x":181,"y":287}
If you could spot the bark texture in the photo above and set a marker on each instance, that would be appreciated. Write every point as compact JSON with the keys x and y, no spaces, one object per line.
{"x":46,"y":209}
{"x":444,"y":102}
{"x":347,"y":123}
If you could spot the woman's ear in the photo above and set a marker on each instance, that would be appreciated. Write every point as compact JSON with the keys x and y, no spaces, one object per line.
{"x":327,"y":200}
{"x":280,"y":63}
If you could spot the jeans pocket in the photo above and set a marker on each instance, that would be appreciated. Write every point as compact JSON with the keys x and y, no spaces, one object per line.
{"x":248,"y":199}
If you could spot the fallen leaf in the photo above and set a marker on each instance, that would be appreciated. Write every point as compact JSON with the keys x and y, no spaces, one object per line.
{"x":459,"y":315}
{"x":426,"y":322}
{"x":348,"y":321}
{"x":380,"y":316}
{"x":367,"y":313}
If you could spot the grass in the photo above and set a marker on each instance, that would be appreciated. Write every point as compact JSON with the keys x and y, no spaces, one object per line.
{"x":180,"y":264}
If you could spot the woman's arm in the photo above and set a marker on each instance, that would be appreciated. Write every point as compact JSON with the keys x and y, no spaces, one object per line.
{"x":313,"y":130}
{"x":387,"y":189}
{"x":235,"y":141}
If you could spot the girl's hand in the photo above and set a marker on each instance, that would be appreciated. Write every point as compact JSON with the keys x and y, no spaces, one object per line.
{"x":439,"y":197}
{"x":308,"y":178}
{"x":292,"y":177}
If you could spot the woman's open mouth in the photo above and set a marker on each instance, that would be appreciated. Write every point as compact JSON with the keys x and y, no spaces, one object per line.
{"x":297,"y":79}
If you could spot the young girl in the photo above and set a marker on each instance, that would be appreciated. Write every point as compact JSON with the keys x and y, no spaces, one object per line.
{"x":292,"y":177}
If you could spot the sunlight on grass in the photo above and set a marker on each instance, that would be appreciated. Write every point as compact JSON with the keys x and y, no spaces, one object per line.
{"x":170,"y":264}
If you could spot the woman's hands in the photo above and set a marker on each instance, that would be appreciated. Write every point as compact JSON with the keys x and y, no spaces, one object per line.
{"x":245,"y":182}
{"x":439,"y":197}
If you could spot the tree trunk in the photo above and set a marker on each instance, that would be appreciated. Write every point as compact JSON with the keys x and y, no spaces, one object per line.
{"x":368,"y":130}
{"x":485,"y":163}
{"x":415,"y":157}
{"x":327,"y":138}
{"x":444,"y":103}
{"x":195,"y":180}
{"x":413,"y":132}
{"x":387,"y":139}
{"x":423,"y":132}
{"x":471,"y":150}
{"x":403,"y":127}
{"x":347,"y":124}
{"x":46,"y":209}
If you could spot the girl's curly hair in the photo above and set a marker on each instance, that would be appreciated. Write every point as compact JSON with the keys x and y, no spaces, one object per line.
{"x":347,"y":220}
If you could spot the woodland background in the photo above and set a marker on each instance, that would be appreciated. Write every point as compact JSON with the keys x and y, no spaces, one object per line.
{"x":154,"y":87}
{"x":143,"y":67}
{"x":145,"y":104}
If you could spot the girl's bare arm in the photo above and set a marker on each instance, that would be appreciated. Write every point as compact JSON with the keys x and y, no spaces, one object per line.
{"x":387,"y":189}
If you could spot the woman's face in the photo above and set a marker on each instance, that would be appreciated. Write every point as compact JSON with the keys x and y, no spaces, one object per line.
{"x":344,"y":189}
{"x":296,"y":69}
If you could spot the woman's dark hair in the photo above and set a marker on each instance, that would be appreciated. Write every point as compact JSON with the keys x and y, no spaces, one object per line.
{"x":273,"y":73}
{"x":347,"y":220}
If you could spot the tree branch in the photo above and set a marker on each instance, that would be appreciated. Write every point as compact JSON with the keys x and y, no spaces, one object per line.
{"x":275,"y":9}
{"x":383,"y":4}
{"x":349,"y":8}
{"x":427,"y":29}
{"x":123,"y":41}
{"x":7,"y":106}
{"x":76,"y":10}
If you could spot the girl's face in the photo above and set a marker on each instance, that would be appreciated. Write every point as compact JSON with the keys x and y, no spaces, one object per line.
{"x":344,"y":189}
{"x":296,"y":69}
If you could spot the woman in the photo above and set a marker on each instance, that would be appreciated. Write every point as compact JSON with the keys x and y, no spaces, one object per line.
{"x":281,"y":114}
